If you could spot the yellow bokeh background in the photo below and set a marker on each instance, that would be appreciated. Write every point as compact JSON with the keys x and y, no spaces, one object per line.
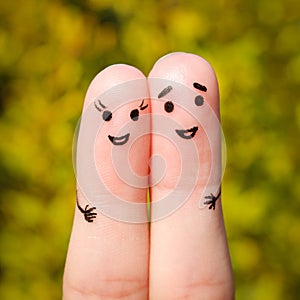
{"x":49,"y":53}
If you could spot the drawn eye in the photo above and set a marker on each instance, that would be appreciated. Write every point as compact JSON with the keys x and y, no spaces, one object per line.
{"x":169,"y":106}
{"x":107,"y":115}
{"x":134,"y":115}
{"x":199,"y":100}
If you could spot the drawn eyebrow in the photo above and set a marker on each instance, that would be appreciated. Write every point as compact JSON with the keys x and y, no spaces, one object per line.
{"x":165,"y":91}
{"x":99,"y":103}
{"x":200,"y":87}
{"x":141,"y":105}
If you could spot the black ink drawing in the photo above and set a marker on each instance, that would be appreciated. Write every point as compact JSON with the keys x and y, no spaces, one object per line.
{"x":89,"y":214}
{"x":165,"y":91}
{"x":199,"y":100}
{"x":212,"y":200}
{"x":169,"y":107}
{"x":142,"y":106}
{"x":119,"y":140}
{"x":200,"y":87}
{"x":107,"y":116}
{"x":187,"y":133}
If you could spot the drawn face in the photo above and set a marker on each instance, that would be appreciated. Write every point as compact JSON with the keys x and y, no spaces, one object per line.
{"x":107,"y":116}
{"x":188,"y":133}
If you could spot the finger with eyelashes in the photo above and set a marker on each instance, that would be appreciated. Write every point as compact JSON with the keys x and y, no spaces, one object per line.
{"x":108,"y":253}
{"x":189,"y":256}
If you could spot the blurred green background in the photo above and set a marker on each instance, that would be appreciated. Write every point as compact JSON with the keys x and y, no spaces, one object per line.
{"x":49,"y":53}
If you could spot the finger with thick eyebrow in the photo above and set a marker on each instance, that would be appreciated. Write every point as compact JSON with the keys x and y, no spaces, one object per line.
{"x":189,"y":257}
{"x":108,"y":254}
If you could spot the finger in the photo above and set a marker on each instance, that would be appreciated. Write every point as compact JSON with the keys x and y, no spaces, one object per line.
{"x":108,"y":252}
{"x":189,"y":254}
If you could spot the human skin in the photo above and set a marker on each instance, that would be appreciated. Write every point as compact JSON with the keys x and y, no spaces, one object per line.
{"x":188,"y":255}
{"x":108,"y":258}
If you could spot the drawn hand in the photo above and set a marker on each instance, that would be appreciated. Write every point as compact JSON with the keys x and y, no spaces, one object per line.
{"x":188,"y":256}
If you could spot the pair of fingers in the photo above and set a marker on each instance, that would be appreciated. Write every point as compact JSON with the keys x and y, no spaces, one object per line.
{"x":110,"y":255}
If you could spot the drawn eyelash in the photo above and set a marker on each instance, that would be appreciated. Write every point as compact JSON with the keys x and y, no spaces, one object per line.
{"x":99,"y":104}
{"x":143,"y":107}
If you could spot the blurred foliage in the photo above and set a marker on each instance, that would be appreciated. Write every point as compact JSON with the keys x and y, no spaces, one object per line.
{"x":51,"y":50}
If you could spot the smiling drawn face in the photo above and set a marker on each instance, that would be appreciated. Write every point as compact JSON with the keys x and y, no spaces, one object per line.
{"x":107,"y":116}
{"x":188,"y":133}
{"x":112,"y":146}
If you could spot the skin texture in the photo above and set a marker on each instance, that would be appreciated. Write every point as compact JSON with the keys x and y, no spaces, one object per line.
{"x":108,"y":259}
{"x":188,"y":256}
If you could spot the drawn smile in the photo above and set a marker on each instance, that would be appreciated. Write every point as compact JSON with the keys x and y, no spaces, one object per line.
{"x":188,"y":133}
{"x":119,"y":140}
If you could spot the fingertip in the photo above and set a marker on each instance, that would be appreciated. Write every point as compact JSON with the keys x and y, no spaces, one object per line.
{"x":181,"y":58}
{"x":110,"y":77}
{"x":190,"y":70}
